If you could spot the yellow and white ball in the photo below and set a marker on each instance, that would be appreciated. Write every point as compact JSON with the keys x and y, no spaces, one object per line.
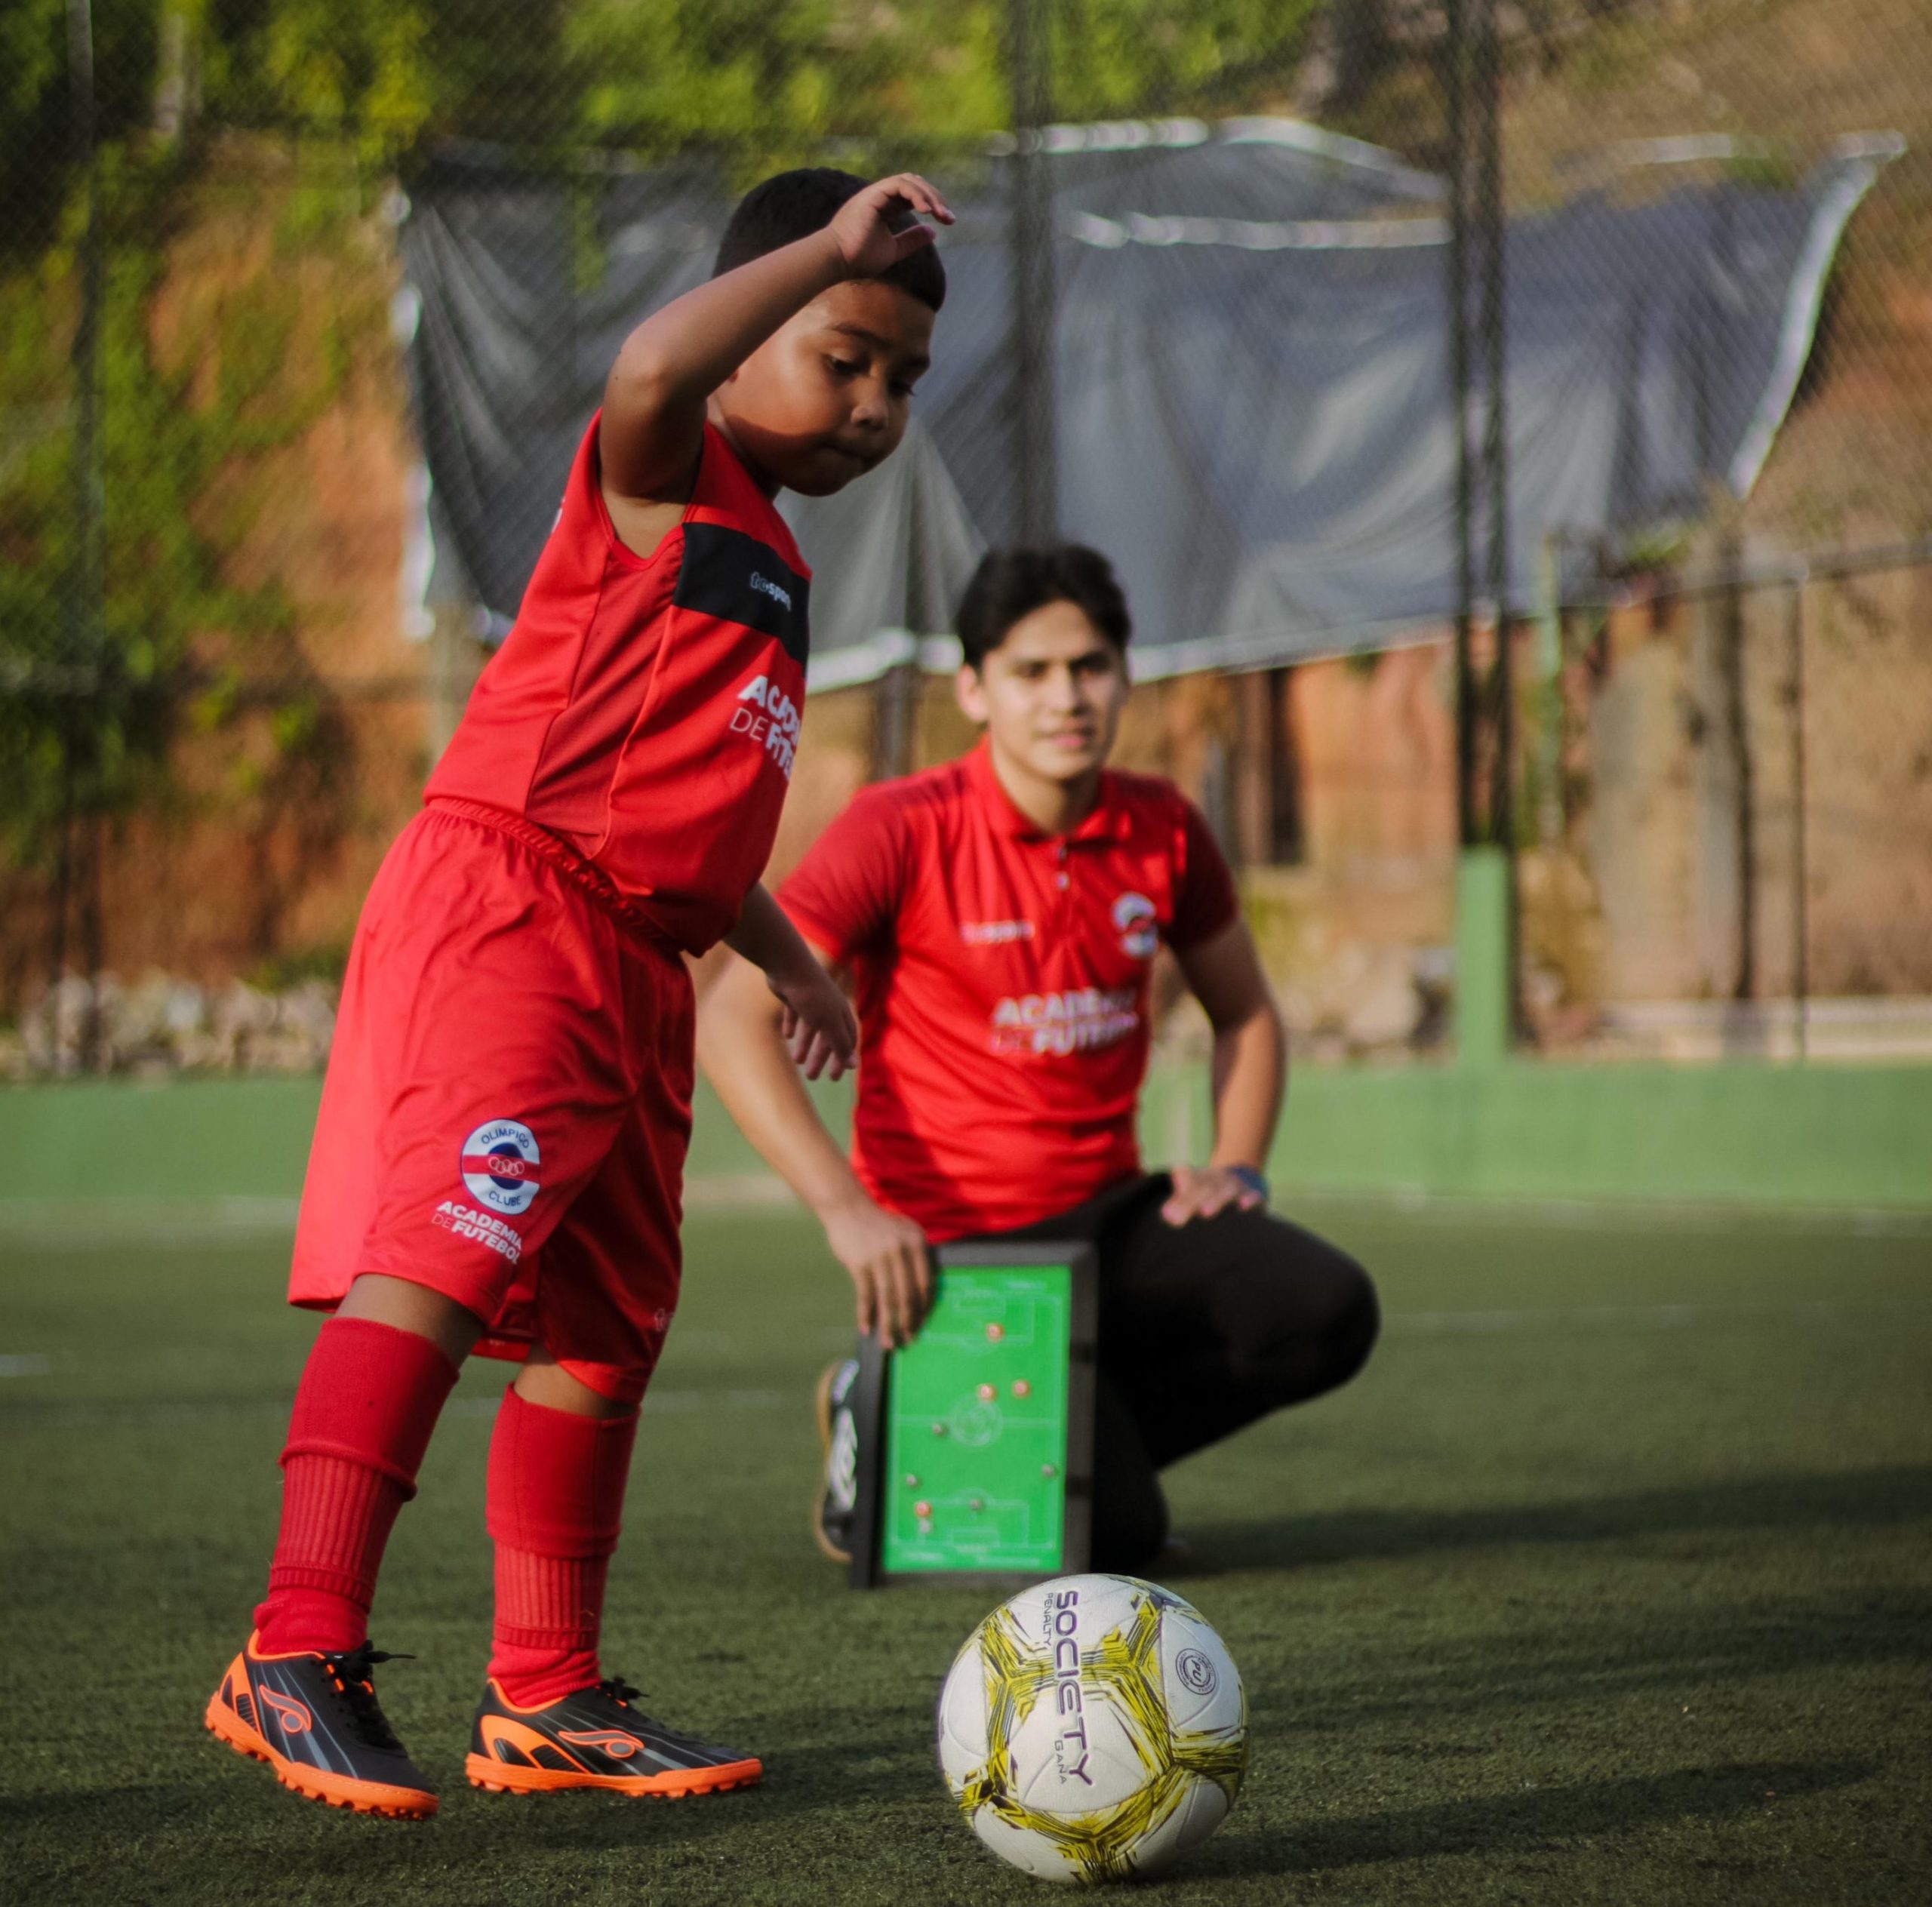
{"x":1094,"y":1727}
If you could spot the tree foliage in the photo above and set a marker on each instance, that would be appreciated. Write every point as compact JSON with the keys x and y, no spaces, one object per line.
{"x":93,"y":693}
{"x":653,"y":76}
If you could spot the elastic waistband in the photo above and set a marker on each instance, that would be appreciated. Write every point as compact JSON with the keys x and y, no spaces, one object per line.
{"x":564,"y":858}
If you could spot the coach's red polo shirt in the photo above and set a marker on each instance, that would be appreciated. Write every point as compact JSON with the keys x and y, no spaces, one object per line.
{"x":1001,"y":976}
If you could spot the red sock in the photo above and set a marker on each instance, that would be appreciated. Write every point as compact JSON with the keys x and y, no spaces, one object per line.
{"x":556,"y":1499}
{"x":369,"y":1397}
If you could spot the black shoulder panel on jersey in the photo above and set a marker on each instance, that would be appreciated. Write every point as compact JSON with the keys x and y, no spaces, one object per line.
{"x":728,"y":574}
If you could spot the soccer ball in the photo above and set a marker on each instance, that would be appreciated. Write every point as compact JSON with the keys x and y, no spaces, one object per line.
{"x":1092,"y":1727}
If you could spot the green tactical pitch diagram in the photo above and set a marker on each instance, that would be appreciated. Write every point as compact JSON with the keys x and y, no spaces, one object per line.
{"x":978,"y":1437}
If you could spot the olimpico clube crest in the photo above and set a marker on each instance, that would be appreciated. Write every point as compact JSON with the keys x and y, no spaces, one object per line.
{"x":1094,"y":1727}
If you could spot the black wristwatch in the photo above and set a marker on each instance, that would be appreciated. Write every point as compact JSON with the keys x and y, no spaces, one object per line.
{"x":1251,"y":1177}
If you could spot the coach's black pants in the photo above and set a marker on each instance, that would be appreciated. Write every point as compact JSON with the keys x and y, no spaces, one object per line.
{"x":1204,"y":1327}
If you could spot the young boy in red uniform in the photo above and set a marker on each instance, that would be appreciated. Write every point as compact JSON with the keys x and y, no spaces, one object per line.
{"x":496,"y":1164}
{"x":997,"y":919}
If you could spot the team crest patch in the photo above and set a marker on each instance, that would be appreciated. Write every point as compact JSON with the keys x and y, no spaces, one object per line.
{"x":1140,"y":931}
{"x":500,"y":1161}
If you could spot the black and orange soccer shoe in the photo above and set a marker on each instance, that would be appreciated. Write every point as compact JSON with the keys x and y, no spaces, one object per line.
{"x":595,"y":1739}
{"x":315,"y":1721}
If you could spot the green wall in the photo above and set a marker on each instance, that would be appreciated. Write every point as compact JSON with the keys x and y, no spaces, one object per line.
{"x":197,"y":1139}
{"x":1777,"y":1135}
{"x":1782,"y":1135}
{"x":190,"y":1140}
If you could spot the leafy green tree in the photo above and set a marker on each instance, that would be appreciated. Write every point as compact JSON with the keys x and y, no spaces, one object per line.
{"x":94,"y":695}
{"x":653,"y":76}
{"x":37,"y":146}
{"x":665,"y":73}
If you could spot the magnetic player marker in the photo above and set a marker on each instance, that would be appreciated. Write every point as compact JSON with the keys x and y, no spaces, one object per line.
{"x":977,"y":1504}
{"x":912,"y":1481}
{"x":987,"y":1393}
{"x":1021,"y":1387}
{"x":1047,"y":1470}
{"x":922,"y":1510}
{"x":939,"y":1430}
{"x":996,"y":1332}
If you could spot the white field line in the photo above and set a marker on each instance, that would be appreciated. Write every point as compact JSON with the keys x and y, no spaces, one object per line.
{"x":669,"y":1401}
{"x":1698,"y":1215}
{"x":77,"y":1225}
{"x":63,"y":1416}
{"x":724,"y":1192}
{"x":1655,"y":1318}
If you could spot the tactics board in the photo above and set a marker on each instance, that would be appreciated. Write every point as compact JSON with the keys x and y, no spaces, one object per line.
{"x":979,"y":1435}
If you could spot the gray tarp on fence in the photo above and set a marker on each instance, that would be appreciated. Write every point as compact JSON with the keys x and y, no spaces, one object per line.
{"x":1250,"y":385}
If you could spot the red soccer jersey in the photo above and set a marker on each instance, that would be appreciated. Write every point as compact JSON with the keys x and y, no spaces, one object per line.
{"x":1002,"y":983}
{"x":646,"y":709}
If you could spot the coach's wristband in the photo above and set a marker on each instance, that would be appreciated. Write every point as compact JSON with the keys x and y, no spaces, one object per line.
{"x":1256,"y":1181}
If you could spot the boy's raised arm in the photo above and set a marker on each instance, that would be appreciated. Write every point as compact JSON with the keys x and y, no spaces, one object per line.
{"x":654,"y":399}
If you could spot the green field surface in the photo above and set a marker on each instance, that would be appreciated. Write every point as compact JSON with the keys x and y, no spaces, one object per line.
{"x":976,"y":1427}
{"x":1610,"y":1580}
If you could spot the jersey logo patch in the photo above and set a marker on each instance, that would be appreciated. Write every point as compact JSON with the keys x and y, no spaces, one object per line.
{"x":994,"y":933}
{"x":737,"y":578}
{"x":771,"y":718}
{"x":1081,"y":1019}
{"x":1134,"y":915}
{"x":498,"y":1165}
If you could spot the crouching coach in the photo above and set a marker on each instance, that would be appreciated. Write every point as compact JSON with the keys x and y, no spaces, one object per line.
{"x":997,"y":920}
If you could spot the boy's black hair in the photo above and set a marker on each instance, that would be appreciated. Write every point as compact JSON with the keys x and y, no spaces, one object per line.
{"x":792,"y":205}
{"x":1010,"y":584}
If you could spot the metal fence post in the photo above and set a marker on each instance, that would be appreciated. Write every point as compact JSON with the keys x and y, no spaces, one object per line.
{"x":1486,"y":929}
{"x":81,"y":752}
{"x":1456,"y":82}
{"x":1031,"y":239}
{"x":1484,"y":935}
{"x":1801,"y":972}
{"x":1495,"y":437}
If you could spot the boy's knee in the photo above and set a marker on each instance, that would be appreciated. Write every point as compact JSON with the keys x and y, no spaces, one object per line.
{"x":546,"y":1381}
{"x":420,"y":1309}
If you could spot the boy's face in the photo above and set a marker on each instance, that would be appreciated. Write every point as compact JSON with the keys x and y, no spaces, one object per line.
{"x":1050,"y":695}
{"x":825,"y":398}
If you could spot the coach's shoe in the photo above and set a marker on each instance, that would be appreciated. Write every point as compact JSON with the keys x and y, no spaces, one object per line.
{"x":838,"y":1436}
{"x":595,"y":1739}
{"x":315,"y":1720}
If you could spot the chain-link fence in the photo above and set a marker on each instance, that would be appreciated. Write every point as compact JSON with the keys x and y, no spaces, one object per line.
{"x":1337,"y":325}
{"x":1728,"y":788}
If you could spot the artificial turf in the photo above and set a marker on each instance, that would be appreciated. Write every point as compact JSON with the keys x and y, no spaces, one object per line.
{"x":1610,"y":1580}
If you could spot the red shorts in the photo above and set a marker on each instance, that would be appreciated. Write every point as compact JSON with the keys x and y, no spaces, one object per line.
{"x":508,"y":1103}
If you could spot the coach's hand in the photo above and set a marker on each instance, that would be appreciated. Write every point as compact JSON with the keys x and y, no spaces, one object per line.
{"x":816,"y":1022}
{"x":891,"y":1269}
{"x":1202,"y":1191}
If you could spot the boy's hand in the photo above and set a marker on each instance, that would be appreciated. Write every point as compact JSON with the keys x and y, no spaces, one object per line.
{"x":816,"y":1023}
{"x":891,"y":1269}
{"x":875,"y":228}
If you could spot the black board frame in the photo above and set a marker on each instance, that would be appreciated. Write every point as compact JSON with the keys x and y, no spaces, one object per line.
{"x":1077,"y":1255}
